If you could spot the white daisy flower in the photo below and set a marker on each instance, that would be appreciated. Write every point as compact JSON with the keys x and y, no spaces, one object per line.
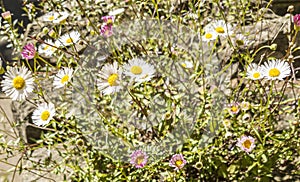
{"x":47,"y":49}
{"x":17,"y":83}
{"x":63,"y":77}
{"x":139,"y":70}
{"x":61,"y":18}
{"x":221,"y":28}
{"x":187,"y":64}
{"x":109,"y":79}
{"x":43,"y":114}
{"x":254,"y":72}
{"x":209,"y":35}
{"x":241,"y":41}
{"x":276,"y":69}
{"x":51,"y":16}
{"x":68,"y":39}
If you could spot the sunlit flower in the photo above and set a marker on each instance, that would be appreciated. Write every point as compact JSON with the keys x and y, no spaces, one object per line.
{"x":139,"y":159}
{"x":61,"y":18}
{"x":109,"y":79}
{"x":221,"y":28}
{"x":246,"y":143}
{"x":234,"y":108}
{"x":63,"y":77}
{"x":17,"y":83}
{"x":46,"y":48}
{"x":209,"y":35}
{"x":51,"y":16}
{"x":276,"y":69}
{"x":296,"y":20}
{"x":139,"y":70}
{"x":43,"y":114}
{"x":68,"y":39}
{"x":106,"y":30}
{"x":254,"y":72}
{"x":177,"y":161}
{"x":28,"y":51}
{"x":109,"y":20}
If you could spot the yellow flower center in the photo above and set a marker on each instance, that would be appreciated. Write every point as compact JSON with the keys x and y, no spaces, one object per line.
{"x":239,"y":42}
{"x":112,"y":79}
{"x":18,"y":83}
{"x":51,"y":18}
{"x":247,"y":144}
{"x":274,"y":72}
{"x":45,"y":115}
{"x":208,"y":35}
{"x":46,"y":47}
{"x":256,"y":75}
{"x":109,"y":22}
{"x":137,"y":70}
{"x":139,"y":160}
{"x":64,"y":79}
{"x":178,"y":163}
{"x":69,"y":40}
{"x":234,"y":109}
{"x":220,"y":29}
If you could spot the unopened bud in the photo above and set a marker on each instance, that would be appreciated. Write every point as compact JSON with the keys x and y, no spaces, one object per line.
{"x":291,"y":58}
{"x":296,"y":20}
{"x":51,"y":33}
{"x":45,"y":30}
{"x":6,"y":15}
{"x":290,"y":9}
{"x":273,"y":47}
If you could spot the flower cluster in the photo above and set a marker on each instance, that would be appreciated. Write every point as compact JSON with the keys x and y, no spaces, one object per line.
{"x":215,"y":29}
{"x":139,"y":159}
{"x":271,"y":70}
{"x":110,"y":75}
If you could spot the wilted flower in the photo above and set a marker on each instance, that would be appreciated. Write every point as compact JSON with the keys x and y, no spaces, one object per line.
{"x":246,"y":143}
{"x":177,"y":161}
{"x":139,"y":159}
{"x":28,"y":51}
{"x":241,"y":41}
